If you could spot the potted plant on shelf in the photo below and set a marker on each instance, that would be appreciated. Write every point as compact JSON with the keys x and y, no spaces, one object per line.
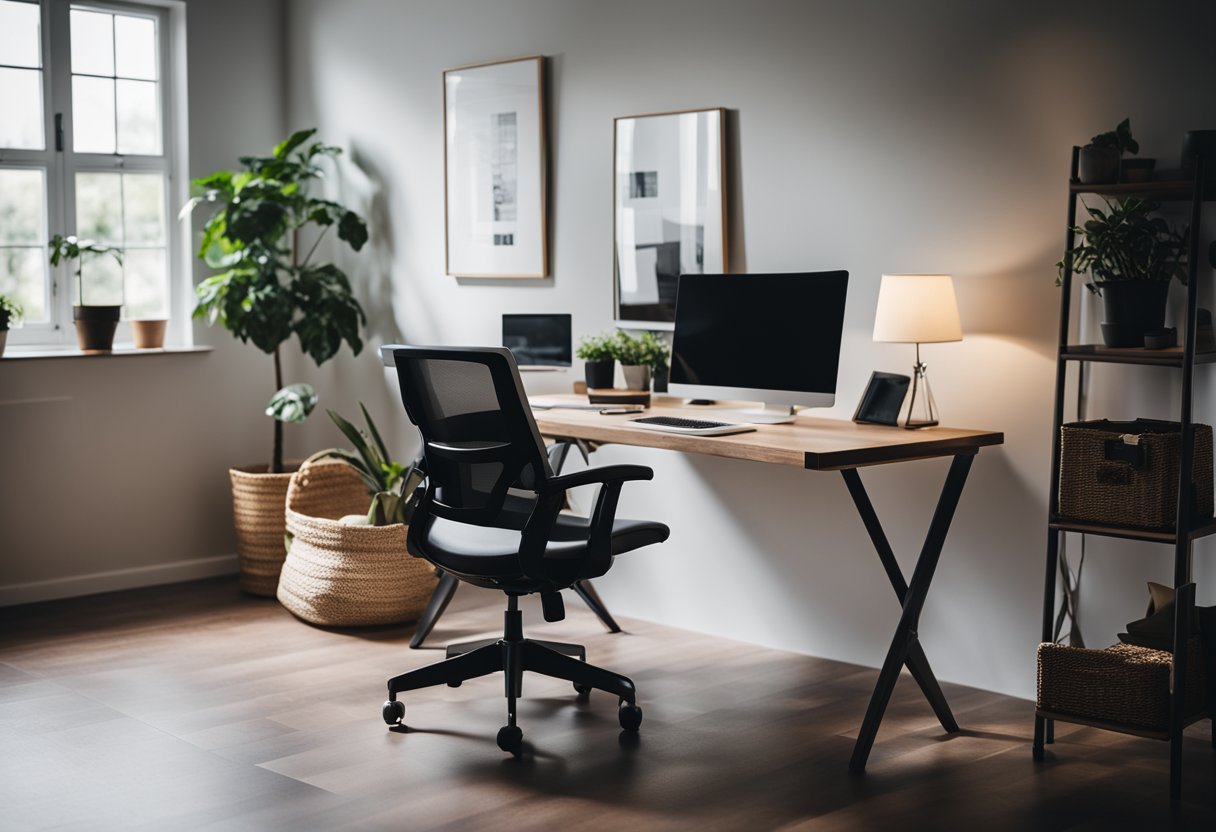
{"x":599,"y":360}
{"x":267,"y":290}
{"x":95,"y":324}
{"x":1099,"y":161}
{"x":10,"y":313}
{"x":1131,"y":255}
{"x":634,"y":358}
{"x":344,"y":568}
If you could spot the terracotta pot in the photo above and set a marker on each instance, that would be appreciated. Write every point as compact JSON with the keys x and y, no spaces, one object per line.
{"x":148,"y":335}
{"x":95,"y":326}
{"x":259,"y":503}
{"x":1098,"y":164}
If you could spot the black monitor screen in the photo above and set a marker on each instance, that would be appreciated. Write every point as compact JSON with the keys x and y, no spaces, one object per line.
{"x":760,"y":331}
{"x":538,"y":340}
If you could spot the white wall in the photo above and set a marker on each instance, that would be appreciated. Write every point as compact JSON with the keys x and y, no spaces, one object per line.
{"x":863,"y":135}
{"x":114,"y":470}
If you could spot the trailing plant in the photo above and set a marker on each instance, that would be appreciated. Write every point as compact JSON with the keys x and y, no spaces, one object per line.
{"x":66,"y":249}
{"x":10,"y":312}
{"x":390,"y":484}
{"x":1120,"y":139}
{"x":266,"y":289}
{"x":1127,"y":242}
{"x":596,"y":348}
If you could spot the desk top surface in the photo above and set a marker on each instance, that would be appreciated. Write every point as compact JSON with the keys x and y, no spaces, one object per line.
{"x":809,"y":442}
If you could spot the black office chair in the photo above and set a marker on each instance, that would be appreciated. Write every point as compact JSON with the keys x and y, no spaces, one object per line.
{"x":490,"y":514}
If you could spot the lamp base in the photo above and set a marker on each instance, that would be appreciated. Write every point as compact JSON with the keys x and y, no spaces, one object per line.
{"x":922,"y":410}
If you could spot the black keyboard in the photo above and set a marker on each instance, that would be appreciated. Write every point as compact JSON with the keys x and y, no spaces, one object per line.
{"x":697,"y":427}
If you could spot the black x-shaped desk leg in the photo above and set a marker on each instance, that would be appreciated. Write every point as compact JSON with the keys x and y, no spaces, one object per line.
{"x":905,"y":646}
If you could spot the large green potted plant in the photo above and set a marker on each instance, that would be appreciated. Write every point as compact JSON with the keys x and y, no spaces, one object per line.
{"x":1131,"y":256}
{"x":95,"y":323}
{"x":10,"y":313}
{"x":267,"y":289}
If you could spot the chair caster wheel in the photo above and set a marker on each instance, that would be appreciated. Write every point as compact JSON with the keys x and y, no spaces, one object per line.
{"x":582,"y":690}
{"x":510,"y":739}
{"x":629,"y":715}
{"x":393,"y":712}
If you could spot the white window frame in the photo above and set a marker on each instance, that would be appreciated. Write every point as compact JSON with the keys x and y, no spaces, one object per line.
{"x":61,"y":167}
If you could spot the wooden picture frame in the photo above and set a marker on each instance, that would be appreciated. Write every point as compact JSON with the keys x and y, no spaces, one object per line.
{"x":668,"y":209}
{"x":494,"y":169}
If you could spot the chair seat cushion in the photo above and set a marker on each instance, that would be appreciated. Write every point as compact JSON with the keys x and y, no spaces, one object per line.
{"x":493,"y":552}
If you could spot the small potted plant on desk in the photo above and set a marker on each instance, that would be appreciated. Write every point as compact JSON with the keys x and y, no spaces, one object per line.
{"x":1131,"y":256}
{"x":10,"y":313}
{"x":656,"y":354}
{"x":599,"y":360}
{"x":267,"y":290}
{"x":95,"y":323}
{"x":634,"y":360}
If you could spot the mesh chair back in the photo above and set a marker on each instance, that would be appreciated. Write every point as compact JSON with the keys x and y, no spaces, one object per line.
{"x":479,"y":437}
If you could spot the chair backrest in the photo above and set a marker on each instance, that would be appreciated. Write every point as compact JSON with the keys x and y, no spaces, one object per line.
{"x":479,"y":437}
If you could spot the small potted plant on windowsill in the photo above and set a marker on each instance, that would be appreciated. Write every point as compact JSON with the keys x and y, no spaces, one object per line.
{"x":95,"y":324}
{"x":10,"y":313}
{"x":1132,"y":256}
{"x":267,"y":289}
{"x":1099,"y":161}
{"x":599,"y":361}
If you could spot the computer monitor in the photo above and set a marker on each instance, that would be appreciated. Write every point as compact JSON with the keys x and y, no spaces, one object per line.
{"x":773,"y":338}
{"x":538,"y":342}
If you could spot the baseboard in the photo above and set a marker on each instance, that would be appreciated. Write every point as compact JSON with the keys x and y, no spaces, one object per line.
{"x":111,"y":581}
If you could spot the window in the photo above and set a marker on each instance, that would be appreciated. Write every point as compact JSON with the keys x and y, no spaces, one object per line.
{"x":91,"y":98}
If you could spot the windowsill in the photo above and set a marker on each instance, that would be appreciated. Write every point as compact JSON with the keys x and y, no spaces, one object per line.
{"x":13,"y":353}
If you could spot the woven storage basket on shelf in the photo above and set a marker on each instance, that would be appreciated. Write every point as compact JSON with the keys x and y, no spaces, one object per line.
{"x":258,"y":520}
{"x":1104,"y":479}
{"x":346,"y":576}
{"x":1124,"y":684}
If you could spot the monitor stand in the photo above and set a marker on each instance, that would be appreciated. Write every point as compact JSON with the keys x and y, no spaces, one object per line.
{"x":767,"y":414}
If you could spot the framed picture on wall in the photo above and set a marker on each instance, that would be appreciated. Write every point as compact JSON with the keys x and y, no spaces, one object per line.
{"x":669,"y":208}
{"x":494,"y":169}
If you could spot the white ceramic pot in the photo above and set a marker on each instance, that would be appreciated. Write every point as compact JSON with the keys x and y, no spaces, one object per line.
{"x":637,"y":376}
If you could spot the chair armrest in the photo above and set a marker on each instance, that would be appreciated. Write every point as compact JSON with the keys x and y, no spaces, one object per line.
{"x":603,"y":474}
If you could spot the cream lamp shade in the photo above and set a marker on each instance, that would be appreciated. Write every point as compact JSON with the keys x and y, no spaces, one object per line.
{"x":917,"y":309}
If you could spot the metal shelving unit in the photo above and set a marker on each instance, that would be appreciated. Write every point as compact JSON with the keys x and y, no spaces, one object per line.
{"x":1188,"y":528}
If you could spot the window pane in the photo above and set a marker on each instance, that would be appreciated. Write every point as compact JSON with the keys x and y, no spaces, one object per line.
{"x":23,"y":278}
{"x":102,"y":278}
{"x":135,"y":47}
{"x":20,"y":34}
{"x":147,"y":283}
{"x":99,"y":207}
{"x":22,"y":207}
{"x":21,"y":109}
{"x":93,"y":115}
{"x":143,"y":209}
{"x":138,"y":121}
{"x":92,"y":42}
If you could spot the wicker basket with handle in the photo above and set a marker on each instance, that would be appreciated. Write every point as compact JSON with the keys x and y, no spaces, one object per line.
{"x":1123,"y":684}
{"x":346,"y":576}
{"x":1126,"y":473}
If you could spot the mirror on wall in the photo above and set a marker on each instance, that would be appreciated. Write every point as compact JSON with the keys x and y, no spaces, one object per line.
{"x":669,"y":208}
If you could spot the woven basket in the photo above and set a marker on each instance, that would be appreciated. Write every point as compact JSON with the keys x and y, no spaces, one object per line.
{"x":1124,"y":684}
{"x":1104,"y":479}
{"x":257,"y":512}
{"x":347,"y":576}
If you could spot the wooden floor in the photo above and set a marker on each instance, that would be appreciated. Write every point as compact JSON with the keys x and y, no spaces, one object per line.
{"x":194,"y":707}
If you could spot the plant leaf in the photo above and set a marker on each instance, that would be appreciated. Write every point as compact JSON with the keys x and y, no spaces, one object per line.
{"x":294,"y":403}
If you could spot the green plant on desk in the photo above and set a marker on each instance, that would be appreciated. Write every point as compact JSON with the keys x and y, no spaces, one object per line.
{"x":596,"y":348}
{"x":648,"y":349}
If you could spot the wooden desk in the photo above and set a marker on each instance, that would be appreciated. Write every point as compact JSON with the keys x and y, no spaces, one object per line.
{"x":823,"y":445}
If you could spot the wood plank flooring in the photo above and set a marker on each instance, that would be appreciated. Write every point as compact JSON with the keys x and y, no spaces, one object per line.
{"x":195,"y":707}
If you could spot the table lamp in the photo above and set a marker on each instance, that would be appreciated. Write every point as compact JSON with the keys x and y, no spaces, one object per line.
{"x":917,"y":309}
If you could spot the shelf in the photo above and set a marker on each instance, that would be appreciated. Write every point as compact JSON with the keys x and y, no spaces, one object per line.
{"x":1171,"y":357}
{"x":1158,"y":191}
{"x":1208,"y":527}
{"x":1118,"y":727}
